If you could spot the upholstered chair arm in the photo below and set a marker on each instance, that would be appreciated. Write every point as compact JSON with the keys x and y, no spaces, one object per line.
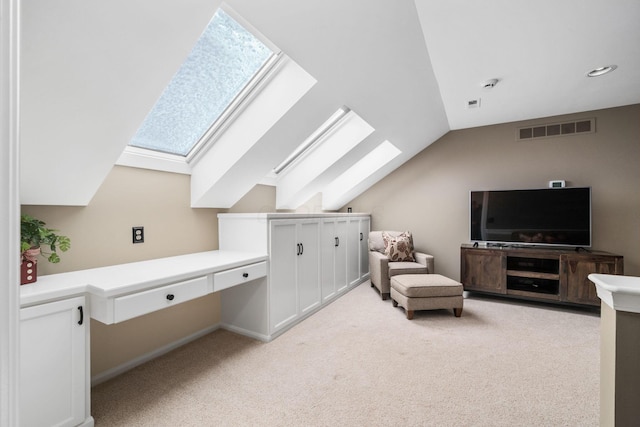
{"x":425,"y":259}
{"x":378,"y":267}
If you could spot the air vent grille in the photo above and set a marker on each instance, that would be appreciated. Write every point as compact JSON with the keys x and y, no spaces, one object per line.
{"x":556,"y":129}
{"x":473,"y":103}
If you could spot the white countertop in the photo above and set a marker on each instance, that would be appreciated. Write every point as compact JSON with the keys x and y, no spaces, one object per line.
{"x":133,"y":277}
{"x":291,"y":215}
{"x":621,"y":293}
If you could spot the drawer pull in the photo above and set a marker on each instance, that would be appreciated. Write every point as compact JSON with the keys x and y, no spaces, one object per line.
{"x":170,"y":297}
{"x":245,"y":275}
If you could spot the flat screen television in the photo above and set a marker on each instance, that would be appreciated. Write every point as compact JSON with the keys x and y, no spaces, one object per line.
{"x":545,"y":217}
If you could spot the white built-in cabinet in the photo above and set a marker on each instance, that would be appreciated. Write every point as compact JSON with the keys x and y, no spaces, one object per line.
{"x":54,"y":320}
{"x":295,"y":288}
{"x":333,"y":244}
{"x":313,"y":259}
{"x":54,"y":362}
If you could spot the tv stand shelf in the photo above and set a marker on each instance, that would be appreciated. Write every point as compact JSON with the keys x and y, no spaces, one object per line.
{"x":547,"y":274}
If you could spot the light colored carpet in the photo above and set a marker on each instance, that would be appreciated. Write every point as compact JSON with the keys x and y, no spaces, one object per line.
{"x":359,"y":361}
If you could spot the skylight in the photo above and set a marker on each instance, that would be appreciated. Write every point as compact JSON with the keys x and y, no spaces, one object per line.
{"x":296,"y":181}
{"x":333,"y":194}
{"x":226,"y":60}
{"x":314,"y":138}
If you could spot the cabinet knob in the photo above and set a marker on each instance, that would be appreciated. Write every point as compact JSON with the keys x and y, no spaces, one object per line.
{"x":170,"y":297}
{"x":245,"y":275}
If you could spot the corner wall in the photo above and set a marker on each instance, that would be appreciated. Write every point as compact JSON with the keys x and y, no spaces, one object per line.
{"x":429,"y":195}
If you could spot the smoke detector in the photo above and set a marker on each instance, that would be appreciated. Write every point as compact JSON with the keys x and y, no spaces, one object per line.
{"x":489,"y":83}
{"x":601,"y":70}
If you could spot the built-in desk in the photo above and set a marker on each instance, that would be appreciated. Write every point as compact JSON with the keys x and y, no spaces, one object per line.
{"x":104,"y":283}
{"x":54,"y":333}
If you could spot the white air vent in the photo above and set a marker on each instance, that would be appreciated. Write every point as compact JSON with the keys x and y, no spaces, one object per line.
{"x":473,"y":103}
{"x":556,"y":129}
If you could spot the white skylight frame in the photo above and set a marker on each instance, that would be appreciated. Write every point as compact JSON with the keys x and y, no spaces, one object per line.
{"x":359,"y":172}
{"x":239,"y":103}
{"x":315,"y":138}
{"x":159,"y":160}
{"x":295,"y":183}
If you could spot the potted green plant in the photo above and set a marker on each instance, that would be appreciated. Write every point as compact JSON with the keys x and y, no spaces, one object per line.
{"x":37,"y":239}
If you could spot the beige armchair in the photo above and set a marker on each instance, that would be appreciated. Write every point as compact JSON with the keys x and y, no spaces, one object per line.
{"x":381,"y":269}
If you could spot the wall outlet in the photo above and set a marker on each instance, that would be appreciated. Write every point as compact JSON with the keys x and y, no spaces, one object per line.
{"x":137,"y":234}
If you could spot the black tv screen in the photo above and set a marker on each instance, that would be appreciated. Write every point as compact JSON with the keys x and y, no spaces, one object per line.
{"x":548,"y":216}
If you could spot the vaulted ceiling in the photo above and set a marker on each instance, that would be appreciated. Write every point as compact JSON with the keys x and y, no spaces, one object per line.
{"x":91,"y":71}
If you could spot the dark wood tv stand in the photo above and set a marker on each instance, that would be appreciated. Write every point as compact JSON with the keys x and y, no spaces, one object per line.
{"x":552,"y":275}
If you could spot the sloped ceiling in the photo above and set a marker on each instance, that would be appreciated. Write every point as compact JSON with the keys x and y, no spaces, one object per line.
{"x":92,"y":70}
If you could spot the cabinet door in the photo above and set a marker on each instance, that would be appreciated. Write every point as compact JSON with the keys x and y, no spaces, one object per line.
{"x":284,"y":251}
{"x":365,"y":225}
{"x":328,"y":244}
{"x":340,"y":270}
{"x":308,"y":266}
{"x":333,"y":244}
{"x":483,"y":270}
{"x":576,"y":271}
{"x":53,"y":364}
{"x":353,"y":248}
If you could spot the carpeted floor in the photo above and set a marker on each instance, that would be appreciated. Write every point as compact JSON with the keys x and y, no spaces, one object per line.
{"x":359,"y":361}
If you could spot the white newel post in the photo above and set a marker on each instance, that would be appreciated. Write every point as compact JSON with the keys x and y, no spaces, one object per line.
{"x":619,"y":349}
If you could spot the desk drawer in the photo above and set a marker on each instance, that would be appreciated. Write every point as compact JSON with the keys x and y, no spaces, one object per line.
{"x":236,"y":276}
{"x":134,"y":305}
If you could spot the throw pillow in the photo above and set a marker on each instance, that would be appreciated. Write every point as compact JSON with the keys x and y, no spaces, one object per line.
{"x":398,"y":248}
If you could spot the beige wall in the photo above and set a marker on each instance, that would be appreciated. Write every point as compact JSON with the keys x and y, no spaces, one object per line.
{"x":262,"y":198}
{"x":429,"y":194}
{"x":100,"y":235}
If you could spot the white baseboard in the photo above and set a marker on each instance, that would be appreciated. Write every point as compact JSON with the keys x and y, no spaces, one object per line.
{"x":88,"y":422}
{"x":246,"y":333}
{"x":114,"y":372}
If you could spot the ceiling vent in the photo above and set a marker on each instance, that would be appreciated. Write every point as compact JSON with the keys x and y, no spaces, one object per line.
{"x":556,"y":129}
{"x":473,"y":103}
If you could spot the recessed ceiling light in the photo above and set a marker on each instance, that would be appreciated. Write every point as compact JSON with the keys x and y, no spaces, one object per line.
{"x":601,"y":70}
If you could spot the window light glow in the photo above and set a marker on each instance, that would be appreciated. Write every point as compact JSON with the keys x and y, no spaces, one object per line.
{"x":225,"y":59}
{"x":361,"y":170}
{"x":313,"y":138}
{"x":295,"y":183}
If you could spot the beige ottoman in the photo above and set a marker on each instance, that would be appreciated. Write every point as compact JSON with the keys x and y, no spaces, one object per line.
{"x":426,"y":292}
